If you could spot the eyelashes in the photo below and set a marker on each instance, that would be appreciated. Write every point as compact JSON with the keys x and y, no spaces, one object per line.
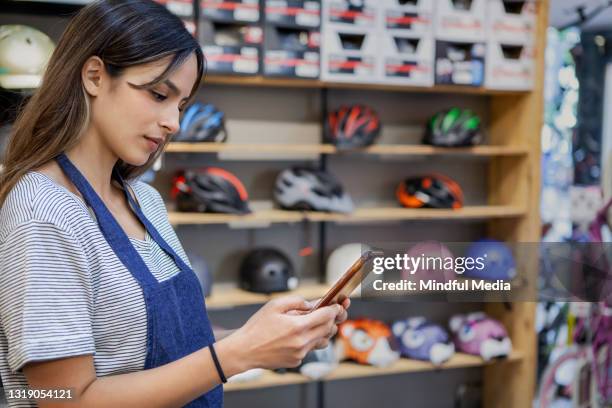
{"x":160,"y":98}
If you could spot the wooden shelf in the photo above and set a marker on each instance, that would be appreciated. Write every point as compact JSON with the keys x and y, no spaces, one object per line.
{"x":359,"y":215}
{"x":390,"y":149}
{"x":261,"y":81}
{"x":231,"y":297}
{"x":349,"y":370}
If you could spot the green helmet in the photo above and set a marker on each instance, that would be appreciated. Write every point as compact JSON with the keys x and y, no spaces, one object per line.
{"x":453,"y":127}
{"x":24,"y":53}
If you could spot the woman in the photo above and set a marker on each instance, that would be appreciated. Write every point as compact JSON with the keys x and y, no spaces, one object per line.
{"x":96,"y":293}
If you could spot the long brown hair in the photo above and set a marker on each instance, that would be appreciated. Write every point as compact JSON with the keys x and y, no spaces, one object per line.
{"x":123,"y":33}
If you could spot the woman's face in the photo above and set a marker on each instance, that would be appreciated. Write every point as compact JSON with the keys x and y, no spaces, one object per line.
{"x":134,"y":123}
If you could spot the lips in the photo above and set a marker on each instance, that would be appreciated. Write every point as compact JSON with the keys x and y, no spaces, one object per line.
{"x":156,"y":141}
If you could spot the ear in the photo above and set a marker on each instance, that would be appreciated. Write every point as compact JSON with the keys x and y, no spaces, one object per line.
{"x":456,"y":322}
{"x":398,"y":328}
{"x":92,"y":75}
{"x":347,"y":329}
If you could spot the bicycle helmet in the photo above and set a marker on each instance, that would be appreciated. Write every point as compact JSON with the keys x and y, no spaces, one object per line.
{"x":352,"y":127}
{"x":202,"y":123}
{"x":497,"y":259}
{"x":267,"y":270}
{"x":366,"y":341}
{"x":306,"y":189}
{"x":210,"y":189}
{"x":437,"y":268}
{"x":453,"y":127}
{"x":423,"y":340}
{"x":430,"y":191}
{"x":24,"y":53}
{"x":480,"y":335}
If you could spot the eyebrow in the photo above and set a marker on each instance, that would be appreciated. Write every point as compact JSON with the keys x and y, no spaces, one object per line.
{"x":174,"y":89}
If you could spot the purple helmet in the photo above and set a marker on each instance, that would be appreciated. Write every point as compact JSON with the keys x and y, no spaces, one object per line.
{"x":435,"y":253}
{"x":498,"y":260}
{"x":423,"y":340}
{"x":480,"y":335}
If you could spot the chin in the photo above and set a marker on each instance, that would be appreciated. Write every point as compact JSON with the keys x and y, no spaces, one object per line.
{"x":135,"y":159}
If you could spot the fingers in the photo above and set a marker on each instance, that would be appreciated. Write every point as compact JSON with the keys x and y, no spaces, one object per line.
{"x":322,"y":315}
{"x":346,"y":303}
{"x":288,"y":303}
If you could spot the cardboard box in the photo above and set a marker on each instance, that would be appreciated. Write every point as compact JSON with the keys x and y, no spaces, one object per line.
{"x":291,"y":52}
{"x":407,"y":60}
{"x":246,"y":11}
{"x":412,"y":18}
{"x":509,"y":66}
{"x":511,"y":22}
{"x":231,"y":48}
{"x":350,"y":55}
{"x":341,"y":14}
{"x":293,"y":13}
{"x":460,"y":20}
{"x":460,"y":63}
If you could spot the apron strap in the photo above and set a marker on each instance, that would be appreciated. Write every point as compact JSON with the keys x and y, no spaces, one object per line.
{"x":112,"y":231}
{"x":148,"y":226}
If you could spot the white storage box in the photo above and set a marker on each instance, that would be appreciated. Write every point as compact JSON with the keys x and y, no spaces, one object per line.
{"x":407,"y":60}
{"x":510,"y":67}
{"x":460,"y":20}
{"x":350,"y":55}
{"x":511,"y":22}
{"x":345,"y":14}
{"x":412,"y":18}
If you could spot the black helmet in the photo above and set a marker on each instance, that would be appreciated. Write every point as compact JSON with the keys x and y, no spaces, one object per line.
{"x":430,"y":191}
{"x":202,"y":123}
{"x":352,"y":127}
{"x":267,"y":270}
{"x":210,"y":189}
{"x":453,"y":127}
{"x":303,"y":188}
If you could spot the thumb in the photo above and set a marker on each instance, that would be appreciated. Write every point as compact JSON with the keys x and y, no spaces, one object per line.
{"x":288,"y":303}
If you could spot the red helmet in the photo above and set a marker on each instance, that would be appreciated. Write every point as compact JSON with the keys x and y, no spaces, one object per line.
{"x":210,"y":189}
{"x":352,"y":127}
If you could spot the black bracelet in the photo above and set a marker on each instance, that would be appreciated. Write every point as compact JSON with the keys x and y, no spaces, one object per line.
{"x":213,"y":353}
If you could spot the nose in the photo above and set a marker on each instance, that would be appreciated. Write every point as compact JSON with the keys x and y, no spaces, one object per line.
{"x":171,"y":123}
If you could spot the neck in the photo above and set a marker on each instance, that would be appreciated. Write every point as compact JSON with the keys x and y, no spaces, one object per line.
{"x":96,"y":161}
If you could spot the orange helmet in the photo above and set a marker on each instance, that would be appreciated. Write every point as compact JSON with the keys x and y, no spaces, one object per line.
{"x":430,"y":191}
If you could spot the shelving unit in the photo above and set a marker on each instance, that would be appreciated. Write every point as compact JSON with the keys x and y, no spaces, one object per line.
{"x":347,"y":371}
{"x":390,"y":149}
{"x":511,"y":213}
{"x":360,"y":215}
{"x":261,"y":81}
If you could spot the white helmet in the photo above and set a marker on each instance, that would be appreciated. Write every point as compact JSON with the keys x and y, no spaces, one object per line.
{"x":304,"y":188}
{"x":24,"y":53}
{"x":341,"y":259}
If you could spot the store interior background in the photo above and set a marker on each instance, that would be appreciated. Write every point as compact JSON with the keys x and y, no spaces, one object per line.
{"x":576,"y":176}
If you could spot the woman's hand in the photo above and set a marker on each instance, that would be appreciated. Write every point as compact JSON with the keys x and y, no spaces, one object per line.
{"x":281,"y":333}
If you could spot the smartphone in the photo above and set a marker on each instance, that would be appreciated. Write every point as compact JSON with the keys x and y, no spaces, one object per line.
{"x":347,"y":282}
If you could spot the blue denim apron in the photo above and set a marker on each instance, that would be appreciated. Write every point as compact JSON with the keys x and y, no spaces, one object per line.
{"x":177,"y":323}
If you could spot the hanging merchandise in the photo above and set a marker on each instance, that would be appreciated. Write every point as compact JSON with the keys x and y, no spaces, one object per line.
{"x":423,"y":340}
{"x":454,"y":127}
{"x":497,"y":258}
{"x":267,"y":270}
{"x":202,"y":123}
{"x":210,"y":189}
{"x":199,"y":266}
{"x":306,"y":189}
{"x":479,"y":335}
{"x":24,"y":53}
{"x":366,"y":341}
{"x":430,"y":191}
{"x":352,"y":127}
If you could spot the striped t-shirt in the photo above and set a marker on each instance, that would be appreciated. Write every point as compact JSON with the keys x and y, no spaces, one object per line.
{"x":63,"y":292}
